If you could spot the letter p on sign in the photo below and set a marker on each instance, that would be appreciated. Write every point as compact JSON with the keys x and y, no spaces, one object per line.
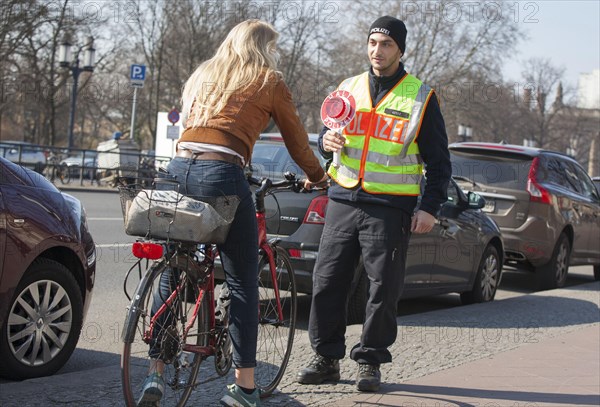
{"x":137,"y":75}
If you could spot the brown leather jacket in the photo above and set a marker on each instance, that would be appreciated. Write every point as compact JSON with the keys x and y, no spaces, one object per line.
{"x":247,"y":113}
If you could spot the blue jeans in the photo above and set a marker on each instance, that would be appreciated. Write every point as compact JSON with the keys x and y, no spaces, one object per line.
{"x":239,"y":253}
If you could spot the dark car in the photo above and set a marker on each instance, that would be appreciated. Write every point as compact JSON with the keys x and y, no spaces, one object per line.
{"x":547,"y":207}
{"x":597,"y":183}
{"x":25,"y":154}
{"x":462,"y":254}
{"x":47,"y":271}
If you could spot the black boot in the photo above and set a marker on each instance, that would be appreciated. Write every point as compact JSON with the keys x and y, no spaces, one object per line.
{"x":319,"y":370}
{"x":368,"y":377}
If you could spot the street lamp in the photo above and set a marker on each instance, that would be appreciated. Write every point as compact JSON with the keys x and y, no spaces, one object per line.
{"x":64,"y":58}
{"x":465,"y":132}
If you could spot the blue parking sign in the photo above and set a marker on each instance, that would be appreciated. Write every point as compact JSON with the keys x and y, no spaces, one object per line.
{"x":137,"y":75}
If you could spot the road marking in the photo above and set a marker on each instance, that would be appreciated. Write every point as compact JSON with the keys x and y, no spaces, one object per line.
{"x":102,"y":219}
{"x":113,"y":245}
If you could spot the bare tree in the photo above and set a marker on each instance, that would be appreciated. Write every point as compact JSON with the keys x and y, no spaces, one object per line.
{"x":447,"y":41}
{"x":543,"y":79}
{"x":449,"y":45}
{"x":36,"y":101}
{"x":491,"y":109}
{"x":19,"y":19}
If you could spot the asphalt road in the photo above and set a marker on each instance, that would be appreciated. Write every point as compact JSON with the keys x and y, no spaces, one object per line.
{"x":100,"y":346}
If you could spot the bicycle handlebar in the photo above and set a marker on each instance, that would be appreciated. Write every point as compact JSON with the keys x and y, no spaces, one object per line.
{"x":265,"y":184}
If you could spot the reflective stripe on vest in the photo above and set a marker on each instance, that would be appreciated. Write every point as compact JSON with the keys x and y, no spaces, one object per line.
{"x":381,"y":148}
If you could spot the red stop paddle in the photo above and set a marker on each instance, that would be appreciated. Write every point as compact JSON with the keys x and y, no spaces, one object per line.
{"x":337,"y":111}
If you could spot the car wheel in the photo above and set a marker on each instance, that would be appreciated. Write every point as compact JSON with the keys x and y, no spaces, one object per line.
{"x":357,"y":303}
{"x":43,"y":324}
{"x":597,"y":273}
{"x":487,"y":278}
{"x":554,"y":273}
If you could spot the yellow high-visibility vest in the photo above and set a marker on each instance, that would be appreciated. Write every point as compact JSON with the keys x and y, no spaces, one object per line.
{"x":381,"y":149}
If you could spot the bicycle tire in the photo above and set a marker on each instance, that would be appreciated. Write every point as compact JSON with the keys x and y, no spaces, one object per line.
{"x":63,"y":173}
{"x":181,"y":369}
{"x":275,"y":338}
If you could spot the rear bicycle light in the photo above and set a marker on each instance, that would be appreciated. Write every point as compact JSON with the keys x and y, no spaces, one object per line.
{"x":147,"y":250}
{"x":537,"y":193}
{"x":316,"y":210}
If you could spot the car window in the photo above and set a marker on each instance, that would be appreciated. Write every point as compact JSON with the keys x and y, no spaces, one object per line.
{"x":587,"y":186}
{"x":552,"y":172}
{"x":571,"y":178}
{"x":500,"y":171}
{"x":272,"y":160}
{"x":265,"y":159}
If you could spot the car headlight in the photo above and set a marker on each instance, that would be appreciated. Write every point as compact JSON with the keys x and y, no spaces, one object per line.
{"x":91,"y":259}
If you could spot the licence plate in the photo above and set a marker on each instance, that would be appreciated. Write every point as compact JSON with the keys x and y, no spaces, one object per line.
{"x":490,"y":206}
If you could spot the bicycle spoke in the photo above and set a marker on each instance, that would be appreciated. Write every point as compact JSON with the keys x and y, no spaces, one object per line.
{"x":275,"y":335}
{"x":158,"y":336}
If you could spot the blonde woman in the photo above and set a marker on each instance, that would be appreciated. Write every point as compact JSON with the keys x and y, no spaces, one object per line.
{"x":227,"y":102}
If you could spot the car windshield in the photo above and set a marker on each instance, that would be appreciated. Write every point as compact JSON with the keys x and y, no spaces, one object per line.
{"x":509,"y":172}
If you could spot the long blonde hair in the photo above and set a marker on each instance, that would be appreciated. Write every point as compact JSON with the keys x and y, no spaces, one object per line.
{"x":248,"y":50}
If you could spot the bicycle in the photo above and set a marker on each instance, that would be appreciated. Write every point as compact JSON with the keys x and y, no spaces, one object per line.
{"x":196,"y":328}
{"x":57,"y":170}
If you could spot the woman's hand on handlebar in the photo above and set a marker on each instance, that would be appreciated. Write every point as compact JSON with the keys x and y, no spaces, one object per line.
{"x":308,"y":185}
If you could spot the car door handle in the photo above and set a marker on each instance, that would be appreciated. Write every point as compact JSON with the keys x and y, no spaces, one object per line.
{"x":443,"y":223}
{"x":448,"y":229}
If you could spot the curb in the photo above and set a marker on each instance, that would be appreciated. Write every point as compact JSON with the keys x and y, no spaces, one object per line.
{"x":73,"y":188}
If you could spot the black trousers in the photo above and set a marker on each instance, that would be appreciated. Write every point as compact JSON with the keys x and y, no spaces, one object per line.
{"x":380,"y":234}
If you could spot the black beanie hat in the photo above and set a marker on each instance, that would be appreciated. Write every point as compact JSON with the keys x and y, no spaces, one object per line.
{"x":390,"y":26}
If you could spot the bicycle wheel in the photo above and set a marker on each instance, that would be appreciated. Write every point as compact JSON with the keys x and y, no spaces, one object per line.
{"x":62,"y":172}
{"x":275,"y":336}
{"x":165,"y":343}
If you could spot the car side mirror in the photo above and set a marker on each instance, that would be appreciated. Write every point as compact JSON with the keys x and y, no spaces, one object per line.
{"x":475,"y":201}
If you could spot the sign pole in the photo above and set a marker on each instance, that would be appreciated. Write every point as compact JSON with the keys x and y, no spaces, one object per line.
{"x":137,"y":76}
{"x":173,"y":130}
{"x":132,"y":128}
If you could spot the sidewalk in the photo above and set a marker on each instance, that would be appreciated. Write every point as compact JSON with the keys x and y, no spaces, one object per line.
{"x":534,"y":350}
{"x":563,"y":371}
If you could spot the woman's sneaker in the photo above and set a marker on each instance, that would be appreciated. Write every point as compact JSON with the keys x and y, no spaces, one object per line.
{"x":236,"y":397}
{"x":152,"y":390}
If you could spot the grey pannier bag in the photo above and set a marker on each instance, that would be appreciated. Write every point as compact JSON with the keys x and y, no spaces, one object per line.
{"x":169,"y":215}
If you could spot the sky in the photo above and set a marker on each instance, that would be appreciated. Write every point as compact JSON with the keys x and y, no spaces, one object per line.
{"x":567,"y":32}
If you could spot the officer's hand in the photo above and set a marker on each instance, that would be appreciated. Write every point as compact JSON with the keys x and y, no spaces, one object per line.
{"x":422,"y":222}
{"x":333,"y":141}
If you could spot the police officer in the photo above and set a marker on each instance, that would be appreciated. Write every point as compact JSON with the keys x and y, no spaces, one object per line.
{"x":397,"y":136}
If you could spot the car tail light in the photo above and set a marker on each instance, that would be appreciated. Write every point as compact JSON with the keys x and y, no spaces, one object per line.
{"x":536,"y":191}
{"x":302,"y":254}
{"x":316,"y":210}
{"x":147,"y":250}
{"x":295,"y":253}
